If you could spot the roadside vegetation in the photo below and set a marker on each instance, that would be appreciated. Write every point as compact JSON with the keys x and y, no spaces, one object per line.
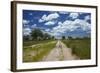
{"x":38,"y":51}
{"x":80,"y":46}
{"x":37,"y":45}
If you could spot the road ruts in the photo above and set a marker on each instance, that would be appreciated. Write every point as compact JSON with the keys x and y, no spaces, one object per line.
{"x":59,"y":53}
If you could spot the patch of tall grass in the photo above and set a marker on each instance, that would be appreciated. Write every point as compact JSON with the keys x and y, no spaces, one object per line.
{"x":39,"y":50}
{"x":80,"y":47}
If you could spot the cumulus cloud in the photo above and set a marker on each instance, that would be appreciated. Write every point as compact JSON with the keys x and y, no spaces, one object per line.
{"x":49,"y":17}
{"x":69,"y":26}
{"x":50,"y":23}
{"x":62,"y":27}
{"x":34,"y":26}
{"x":83,"y":24}
{"x":47,"y":30}
{"x":88,"y":17}
{"x":26,"y":31}
{"x":59,"y":23}
{"x":25,"y":22}
{"x":74,"y":15}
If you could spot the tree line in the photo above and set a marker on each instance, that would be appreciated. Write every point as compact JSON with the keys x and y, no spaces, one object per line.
{"x":38,"y":34}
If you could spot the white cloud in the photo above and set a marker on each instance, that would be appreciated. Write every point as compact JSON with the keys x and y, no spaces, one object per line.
{"x":62,"y":27}
{"x":40,"y":20}
{"x":25,"y":22}
{"x":47,"y":30}
{"x":63,"y":12}
{"x":49,"y":17}
{"x":50,"y":23}
{"x":26,"y":31}
{"x":26,"y":26}
{"x":69,"y":26}
{"x":33,"y":26}
{"x":59,"y":23}
{"x":74,"y":15}
{"x":43,"y":18}
{"x":53,"y":33}
{"x":88,"y":17}
{"x":82,"y":24}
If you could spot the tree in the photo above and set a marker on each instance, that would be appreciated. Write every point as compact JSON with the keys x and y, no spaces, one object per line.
{"x":53,"y":37}
{"x":26,"y":37}
{"x":69,"y":37}
{"x":63,"y":37}
{"x":46,"y":36}
{"x":37,"y":34}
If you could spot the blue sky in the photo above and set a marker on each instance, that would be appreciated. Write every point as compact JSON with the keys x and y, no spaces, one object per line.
{"x":57,"y":23}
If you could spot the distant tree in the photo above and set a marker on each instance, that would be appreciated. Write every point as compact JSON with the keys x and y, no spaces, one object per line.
{"x":46,"y":36}
{"x":63,"y":37}
{"x":77,"y":38}
{"x":53,"y":37}
{"x":37,"y":34}
{"x":69,"y":37}
{"x":26,"y":37}
{"x":86,"y":37}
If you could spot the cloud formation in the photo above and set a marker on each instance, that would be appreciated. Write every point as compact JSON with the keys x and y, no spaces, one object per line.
{"x":49,"y":17}
{"x":70,"y":26}
{"x":34,"y":26}
{"x":26,"y":31}
{"x":88,"y":17}
{"x":57,"y":23}
{"x":74,"y":15}
{"x":25,"y":22}
{"x":50,"y":23}
{"x":63,"y":12}
{"x":47,"y":30}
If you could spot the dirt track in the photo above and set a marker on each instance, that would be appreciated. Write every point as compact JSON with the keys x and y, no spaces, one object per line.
{"x":60,"y":52}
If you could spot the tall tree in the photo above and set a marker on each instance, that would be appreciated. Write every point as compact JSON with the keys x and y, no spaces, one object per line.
{"x":69,"y":37}
{"x":46,"y":36}
{"x":63,"y":37}
{"x":53,"y":37}
{"x":37,"y":34}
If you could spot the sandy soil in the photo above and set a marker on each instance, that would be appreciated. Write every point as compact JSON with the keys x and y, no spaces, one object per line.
{"x":60,"y":52}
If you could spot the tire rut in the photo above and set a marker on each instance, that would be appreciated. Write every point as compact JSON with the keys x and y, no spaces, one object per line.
{"x":60,"y":52}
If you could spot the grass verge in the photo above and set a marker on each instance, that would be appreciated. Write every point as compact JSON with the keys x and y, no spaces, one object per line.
{"x":80,"y":47}
{"x":36,"y":53}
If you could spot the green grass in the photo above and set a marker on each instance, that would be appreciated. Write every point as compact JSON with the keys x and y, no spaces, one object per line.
{"x":80,"y":47}
{"x":29,"y":43}
{"x":39,"y":50}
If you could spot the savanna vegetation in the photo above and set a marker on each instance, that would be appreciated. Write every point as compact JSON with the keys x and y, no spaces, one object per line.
{"x":37,"y":45}
{"x":80,"y":46}
{"x":38,"y":51}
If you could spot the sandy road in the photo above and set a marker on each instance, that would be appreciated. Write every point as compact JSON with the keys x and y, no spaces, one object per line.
{"x":60,"y":52}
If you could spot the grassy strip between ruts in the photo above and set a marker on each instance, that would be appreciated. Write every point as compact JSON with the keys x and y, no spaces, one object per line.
{"x":80,"y":47}
{"x":36,"y":53}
